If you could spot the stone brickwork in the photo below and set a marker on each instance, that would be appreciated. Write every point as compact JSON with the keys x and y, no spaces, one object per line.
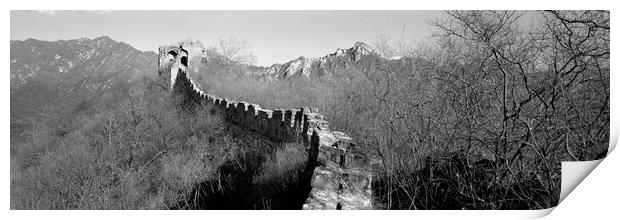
{"x":341,"y":174}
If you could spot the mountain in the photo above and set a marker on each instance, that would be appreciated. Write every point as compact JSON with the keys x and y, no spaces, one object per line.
{"x":326,"y":67}
{"x":53,"y":78}
{"x":334,"y":65}
{"x":59,"y":79}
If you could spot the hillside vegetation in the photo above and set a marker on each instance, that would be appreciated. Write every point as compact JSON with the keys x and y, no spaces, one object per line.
{"x":148,"y":153}
{"x":63,"y":79}
{"x":138,"y":154}
{"x":481,"y":120}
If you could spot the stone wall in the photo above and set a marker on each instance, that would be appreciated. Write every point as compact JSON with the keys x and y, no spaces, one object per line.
{"x":341,"y":174}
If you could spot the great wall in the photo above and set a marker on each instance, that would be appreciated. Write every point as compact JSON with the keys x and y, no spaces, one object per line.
{"x":341,"y":173}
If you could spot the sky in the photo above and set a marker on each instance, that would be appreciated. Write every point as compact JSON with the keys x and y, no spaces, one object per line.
{"x":274,"y":36}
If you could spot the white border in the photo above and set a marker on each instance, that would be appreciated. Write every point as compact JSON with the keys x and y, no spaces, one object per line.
{"x":595,"y":197}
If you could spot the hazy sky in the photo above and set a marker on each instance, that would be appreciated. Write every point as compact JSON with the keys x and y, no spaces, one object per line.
{"x":275,"y":36}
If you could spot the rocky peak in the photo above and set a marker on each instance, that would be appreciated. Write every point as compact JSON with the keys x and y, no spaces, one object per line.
{"x":360,"y":49}
{"x":321,"y":67}
{"x":333,"y":65}
{"x":104,"y":39}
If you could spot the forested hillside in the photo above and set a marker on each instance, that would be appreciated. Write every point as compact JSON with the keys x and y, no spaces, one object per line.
{"x":480,"y":117}
{"x":478,"y":120}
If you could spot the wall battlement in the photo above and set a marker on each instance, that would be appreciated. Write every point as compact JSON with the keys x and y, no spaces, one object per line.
{"x":341,"y":174}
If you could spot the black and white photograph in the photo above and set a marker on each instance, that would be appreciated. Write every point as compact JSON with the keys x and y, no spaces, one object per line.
{"x":304,"y":109}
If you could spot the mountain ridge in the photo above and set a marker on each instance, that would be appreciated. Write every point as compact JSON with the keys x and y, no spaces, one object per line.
{"x":49,"y":77}
{"x":329,"y":66}
{"x":52,"y":78}
{"x":321,"y":67}
{"x":65,"y":55}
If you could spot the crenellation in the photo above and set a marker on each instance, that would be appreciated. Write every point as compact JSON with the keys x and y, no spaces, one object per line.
{"x":263,"y":119}
{"x":306,"y":128}
{"x":299,"y":124}
{"x":240,"y":112}
{"x":278,"y":114}
{"x":232,"y":111}
{"x":251,"y":118}
{"x":288,"y":117}
{"x":276,"y":124}
{"x":224,"y":107}
{"x":288,"y":125}
{"x":339,"y":170}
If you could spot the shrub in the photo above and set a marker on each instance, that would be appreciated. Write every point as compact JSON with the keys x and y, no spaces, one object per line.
{"x":141,"y":153}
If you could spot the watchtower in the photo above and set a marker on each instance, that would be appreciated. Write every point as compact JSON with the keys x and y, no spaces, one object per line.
{"x":172,"y":60}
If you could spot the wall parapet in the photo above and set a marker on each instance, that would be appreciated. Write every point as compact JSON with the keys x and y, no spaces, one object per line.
{"x":341,"y":175}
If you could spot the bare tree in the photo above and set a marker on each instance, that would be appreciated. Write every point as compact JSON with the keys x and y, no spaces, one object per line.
{"x":531,"y":98}
{"x":498,"y":104}
{"x":383,"y":46}
{"x":235,"y":49}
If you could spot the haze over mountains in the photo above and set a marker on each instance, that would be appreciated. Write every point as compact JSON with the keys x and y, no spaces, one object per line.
{"x":327,"y":67}
{"x":52,"y":78}
{"x":63,"y":78}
